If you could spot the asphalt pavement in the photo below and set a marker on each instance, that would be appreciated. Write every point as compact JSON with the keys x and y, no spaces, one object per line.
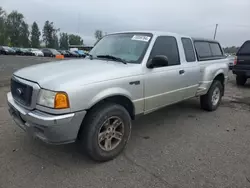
{"x":178,"y":146}
{"x":9,"y":64}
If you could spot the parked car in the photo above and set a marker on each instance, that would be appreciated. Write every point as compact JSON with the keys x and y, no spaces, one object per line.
{"x":27,"y":52}
{"x":18,"y":51}
{"x":7,"y":50}
{"x":36,"y":52}
{"x":93,"y":100}
{"x":241,"y":66}
{"x":48,"y":52}
{"x":23,"y":51}
{"x":73,"y":54}
{"x":60,"y":51}
{"x":65,"y":53}
{"x":80,"y":53}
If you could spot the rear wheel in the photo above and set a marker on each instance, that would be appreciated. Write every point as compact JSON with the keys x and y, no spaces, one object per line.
{"x":240,"y":80}
{"x":106,"y":131}
{"x":212,"y":99}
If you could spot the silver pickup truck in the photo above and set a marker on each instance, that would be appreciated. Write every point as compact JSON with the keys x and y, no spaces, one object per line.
{"x":128,"y":74}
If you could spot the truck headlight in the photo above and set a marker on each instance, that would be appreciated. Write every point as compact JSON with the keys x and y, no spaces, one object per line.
{"x":51,"y":99}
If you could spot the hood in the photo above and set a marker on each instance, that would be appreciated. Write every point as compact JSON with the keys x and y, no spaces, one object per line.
{"x":62,"y":74}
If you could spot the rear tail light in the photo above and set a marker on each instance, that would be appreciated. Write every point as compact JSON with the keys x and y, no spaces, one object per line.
{"x":235,"y":60}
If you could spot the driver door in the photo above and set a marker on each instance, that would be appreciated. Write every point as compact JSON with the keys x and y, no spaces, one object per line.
{"x":164,"y":85}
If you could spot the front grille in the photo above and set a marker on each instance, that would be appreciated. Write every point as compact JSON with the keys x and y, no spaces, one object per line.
{"x":21,"y":92}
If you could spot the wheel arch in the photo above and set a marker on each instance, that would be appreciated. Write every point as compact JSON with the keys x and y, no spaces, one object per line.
{"x":221,"y":78}
{"x":115,"y":95}
{"x":121,"y":100}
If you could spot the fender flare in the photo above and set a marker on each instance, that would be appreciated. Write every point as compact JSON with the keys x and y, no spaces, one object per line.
{"x":110,"y":92}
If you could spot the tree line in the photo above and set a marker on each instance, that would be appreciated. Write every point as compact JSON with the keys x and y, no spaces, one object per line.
{"x":231,"y":50}
{"x":14,"y":31}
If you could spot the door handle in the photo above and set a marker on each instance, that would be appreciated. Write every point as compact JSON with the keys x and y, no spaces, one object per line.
{"x":181,"y":71}
{"x":135,"y":82}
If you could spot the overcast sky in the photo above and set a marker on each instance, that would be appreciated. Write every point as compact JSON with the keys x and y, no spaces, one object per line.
{"x":189,"y":17}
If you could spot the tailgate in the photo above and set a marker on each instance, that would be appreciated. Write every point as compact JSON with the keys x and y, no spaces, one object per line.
{"x":243,"y":62}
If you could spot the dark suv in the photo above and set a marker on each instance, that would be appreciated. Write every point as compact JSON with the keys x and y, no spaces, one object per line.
{"x":242,"y":64}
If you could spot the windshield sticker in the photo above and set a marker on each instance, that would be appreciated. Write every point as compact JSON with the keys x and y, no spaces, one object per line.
{"x":141,"y":38}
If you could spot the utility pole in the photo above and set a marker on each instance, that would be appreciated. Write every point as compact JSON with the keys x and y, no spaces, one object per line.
{"x":215,"y":32}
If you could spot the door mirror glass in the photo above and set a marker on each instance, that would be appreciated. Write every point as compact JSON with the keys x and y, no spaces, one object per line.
{"x":157,"y":61}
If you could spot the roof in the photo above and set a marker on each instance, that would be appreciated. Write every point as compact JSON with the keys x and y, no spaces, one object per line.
{"x":166,"y":33}
{"x":203,"y":39}
{"x":150,"y":31}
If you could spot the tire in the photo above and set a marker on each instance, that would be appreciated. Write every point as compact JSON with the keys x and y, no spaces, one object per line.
{"x":93,"y":125}
{"x":240,"y":80}
{"x":208,"y":101}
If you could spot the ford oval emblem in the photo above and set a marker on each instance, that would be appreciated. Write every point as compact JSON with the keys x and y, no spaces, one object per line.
{"x":19,"y":91}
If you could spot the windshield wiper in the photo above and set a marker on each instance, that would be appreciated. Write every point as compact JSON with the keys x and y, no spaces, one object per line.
{"x":112,"y":58}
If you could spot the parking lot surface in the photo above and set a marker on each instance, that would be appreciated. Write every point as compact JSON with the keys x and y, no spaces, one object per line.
{"x":178,"y":146}
{"x":9,"y":64}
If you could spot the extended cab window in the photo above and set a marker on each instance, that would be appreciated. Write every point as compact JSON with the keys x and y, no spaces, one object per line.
{"x":166,"y":45}
{"x":203,"y":49}
{"x":188,"y":49}
{"x":208,"y":50}
{"x":216,"y":50}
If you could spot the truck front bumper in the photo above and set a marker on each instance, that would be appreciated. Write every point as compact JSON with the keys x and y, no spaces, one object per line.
{"x":54,"y":129}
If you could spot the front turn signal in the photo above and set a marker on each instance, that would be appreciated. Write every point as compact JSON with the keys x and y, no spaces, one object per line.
{"x":61,"y":100}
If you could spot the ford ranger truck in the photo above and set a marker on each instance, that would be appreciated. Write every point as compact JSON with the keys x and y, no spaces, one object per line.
{"x":94,"y":100}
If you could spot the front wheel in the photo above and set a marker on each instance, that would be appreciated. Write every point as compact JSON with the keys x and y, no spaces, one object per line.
{"x":212,"y":99}
{"x":106,"y":131}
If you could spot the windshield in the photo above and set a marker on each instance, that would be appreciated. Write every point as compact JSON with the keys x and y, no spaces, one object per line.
{"x":54,"y":51}
{"x":130,"y":47}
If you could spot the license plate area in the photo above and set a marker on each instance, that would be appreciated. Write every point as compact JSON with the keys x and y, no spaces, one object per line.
{"x":17,"y":117}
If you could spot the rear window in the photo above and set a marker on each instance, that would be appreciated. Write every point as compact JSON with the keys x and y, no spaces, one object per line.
{"x":244,"y":49}
{"x":203,"y":49}
{"x":207,"y":50}
{"x":216,"y":50}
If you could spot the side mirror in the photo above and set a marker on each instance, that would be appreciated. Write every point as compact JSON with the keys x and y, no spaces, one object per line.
{"x":157,"y":61}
